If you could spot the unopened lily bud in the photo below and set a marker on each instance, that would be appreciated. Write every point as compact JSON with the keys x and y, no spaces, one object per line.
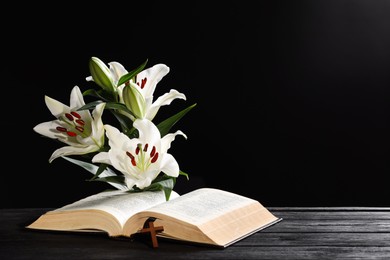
{"x":134,"y":100}
{"x":101,"y":74}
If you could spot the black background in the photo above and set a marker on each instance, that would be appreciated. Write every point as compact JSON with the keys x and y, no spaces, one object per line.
{"x":292,"y":96}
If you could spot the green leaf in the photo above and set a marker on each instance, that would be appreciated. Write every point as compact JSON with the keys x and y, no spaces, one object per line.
{"x":162,"y":182}
{"x":132,"y":73}
{"x":165,"y":185}
{"x":184,"y":174}
{"x":102,"y":167}
{"x":90,"y":105}
{"x":87,"y":166}
{"x":101,"y":94}
{"x":109,"y":105}
{"x":125,"y":123}
{"x":166,"y":125}
{"x":111,"y":179}
{"x":92,"y":168}
{"x":118,"y":106}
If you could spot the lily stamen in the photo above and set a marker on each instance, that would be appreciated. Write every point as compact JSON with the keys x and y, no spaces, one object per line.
{"x":75,"y":121}
{"x":80,"y":121}
{"x":133,"y":162}
{"x":64,"y":130}
{"x":141,"y":161}
{"x":143,"y":83}
{"x":75,"y":114}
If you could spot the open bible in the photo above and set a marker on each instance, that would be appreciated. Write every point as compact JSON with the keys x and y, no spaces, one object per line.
{"x":206,"y":216}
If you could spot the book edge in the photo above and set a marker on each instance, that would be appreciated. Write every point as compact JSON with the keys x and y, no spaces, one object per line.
{"x":176,"y":240}
{"x":277,"y":220}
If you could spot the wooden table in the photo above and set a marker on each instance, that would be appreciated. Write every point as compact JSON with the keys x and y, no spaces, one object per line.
{"x":304,"y":233}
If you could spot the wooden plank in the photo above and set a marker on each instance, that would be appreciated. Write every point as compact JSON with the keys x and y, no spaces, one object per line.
{"x":330,"y":226}
{"x":311,"y":233}
{"x":330,"y":209}
{"x":317,"y":239}
{"x":341,"y":215}
{"x":187,"y":253}
{"x":302,"y":253}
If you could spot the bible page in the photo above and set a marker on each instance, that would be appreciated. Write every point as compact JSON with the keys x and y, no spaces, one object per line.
{"x":120,"y":203}
{"x":201,"y":205}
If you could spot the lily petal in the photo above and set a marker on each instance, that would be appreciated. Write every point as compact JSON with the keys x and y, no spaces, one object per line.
{"x":169,"y":138}
{"x":153,"y":76}
{"x":117,"y":71}
{"x":165,"y":99}
{"x":71,"y":150}
{"x":170,"y":166}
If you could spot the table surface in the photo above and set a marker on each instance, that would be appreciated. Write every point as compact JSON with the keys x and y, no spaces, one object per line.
{"x":304,"y":233}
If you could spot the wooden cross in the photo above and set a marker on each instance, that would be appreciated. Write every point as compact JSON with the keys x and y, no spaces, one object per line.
{"x":153,"y":231}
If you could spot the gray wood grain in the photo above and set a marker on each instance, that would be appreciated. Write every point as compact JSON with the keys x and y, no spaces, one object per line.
{"x":311,"y":233}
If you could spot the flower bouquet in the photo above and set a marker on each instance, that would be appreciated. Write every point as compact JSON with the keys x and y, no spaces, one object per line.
{"x":131,"y":155}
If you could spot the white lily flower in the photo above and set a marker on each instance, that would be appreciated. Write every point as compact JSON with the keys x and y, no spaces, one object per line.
{"x":83,"y":132}
{"x":140,"y":159}
{"x":146,"y":82}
